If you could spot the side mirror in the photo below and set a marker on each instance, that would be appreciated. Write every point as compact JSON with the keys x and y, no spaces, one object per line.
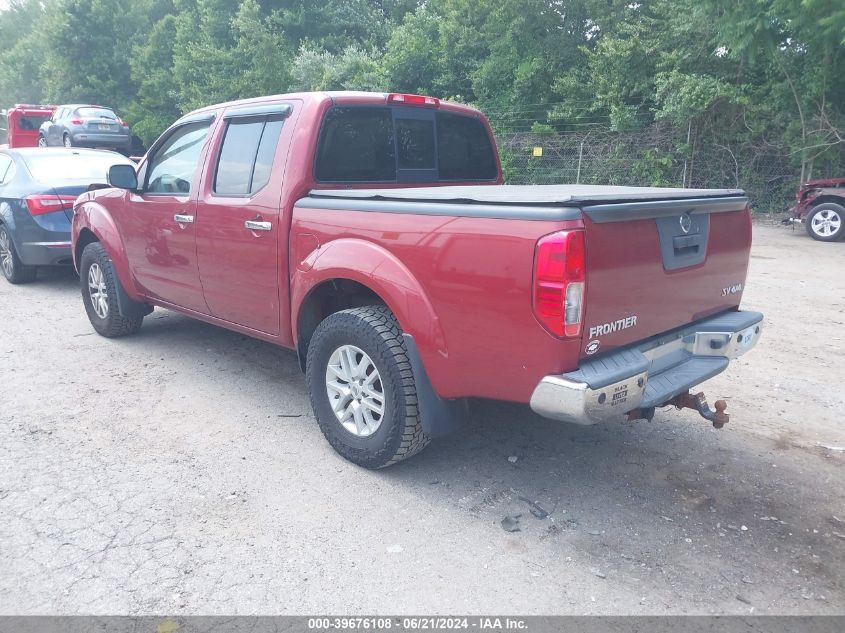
{"x":123,"y":177}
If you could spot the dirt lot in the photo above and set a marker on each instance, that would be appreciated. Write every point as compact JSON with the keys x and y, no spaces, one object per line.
{"x":181,"y":471}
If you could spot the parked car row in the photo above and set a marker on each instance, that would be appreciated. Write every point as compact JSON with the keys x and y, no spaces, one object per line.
{"x":72,"y":125}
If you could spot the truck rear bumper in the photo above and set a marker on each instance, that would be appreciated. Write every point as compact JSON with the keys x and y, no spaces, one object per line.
{"x":648,"y":373}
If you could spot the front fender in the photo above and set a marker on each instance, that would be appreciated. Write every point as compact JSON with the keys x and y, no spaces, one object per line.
{"x":91,"y":215}
{"x":379,"y":270}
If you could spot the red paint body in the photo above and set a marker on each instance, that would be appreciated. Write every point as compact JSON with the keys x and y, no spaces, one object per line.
{"x":20,"y":135}
{"x":462,"y":287}
{"x":814,"y":192}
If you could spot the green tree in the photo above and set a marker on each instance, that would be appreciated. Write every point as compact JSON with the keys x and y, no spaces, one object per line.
{"x":23,"y":51}
{"x":352,"y":69}
{"x":90,"y":45}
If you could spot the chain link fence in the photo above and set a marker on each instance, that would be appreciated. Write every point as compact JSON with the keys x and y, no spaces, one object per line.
{"x":654,"y":156}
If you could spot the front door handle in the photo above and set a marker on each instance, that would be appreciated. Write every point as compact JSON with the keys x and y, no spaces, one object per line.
{"x":183,"y":219}
{"x":255,"y":225}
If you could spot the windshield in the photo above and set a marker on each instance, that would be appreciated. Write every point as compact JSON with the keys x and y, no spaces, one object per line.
{"x":96,"y":113}
{"x":83,"y":168}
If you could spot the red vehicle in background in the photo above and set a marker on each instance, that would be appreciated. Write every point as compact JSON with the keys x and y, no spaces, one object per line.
{"x":820,"y":206}
{"x":22,"y":124}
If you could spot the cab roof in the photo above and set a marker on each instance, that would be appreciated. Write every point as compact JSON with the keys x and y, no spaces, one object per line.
{"x":342,"y":97}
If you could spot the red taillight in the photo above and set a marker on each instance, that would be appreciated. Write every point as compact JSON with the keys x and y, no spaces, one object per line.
{"x":41,"y":204}
{"x":76,"y":121}
{"x":395,"y":97}
{"x":559,"y":282}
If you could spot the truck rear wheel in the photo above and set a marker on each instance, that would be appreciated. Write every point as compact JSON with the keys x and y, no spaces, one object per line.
{"x":99,"y":285}
{"x":362,"y":387}
{"x":826,"y":222}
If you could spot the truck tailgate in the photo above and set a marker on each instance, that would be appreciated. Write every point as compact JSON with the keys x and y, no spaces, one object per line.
{"x":654,"y":266}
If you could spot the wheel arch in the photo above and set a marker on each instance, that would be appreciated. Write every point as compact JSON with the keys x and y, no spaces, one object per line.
{"x":92,"y":223}
{"x":86,"y":236}
{"x":824,"y":199}
{"x":326,"y":298}
{"x":327,"y":283}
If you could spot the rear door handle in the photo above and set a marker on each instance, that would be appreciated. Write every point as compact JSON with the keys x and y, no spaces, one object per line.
{"x":183,"y":219}
{"x":255,"y":225}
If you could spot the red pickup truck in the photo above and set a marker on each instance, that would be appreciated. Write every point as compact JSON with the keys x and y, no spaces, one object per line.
{"x":372,"y":234}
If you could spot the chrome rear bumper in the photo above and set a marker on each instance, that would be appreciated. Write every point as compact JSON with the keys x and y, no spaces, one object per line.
{"x":649,"y":373}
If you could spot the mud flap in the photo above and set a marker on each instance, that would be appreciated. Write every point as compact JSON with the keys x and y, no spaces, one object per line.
{"x":127,"y":307}
{"x":439,"y":417}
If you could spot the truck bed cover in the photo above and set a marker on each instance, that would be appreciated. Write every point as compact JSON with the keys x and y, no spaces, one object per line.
{"x":546,"y":195}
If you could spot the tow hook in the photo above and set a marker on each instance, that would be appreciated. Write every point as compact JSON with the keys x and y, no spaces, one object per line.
{"x":699,"y":402}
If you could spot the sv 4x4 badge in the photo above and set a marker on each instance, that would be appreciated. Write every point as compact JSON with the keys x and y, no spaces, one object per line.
{"x":592,"y":347}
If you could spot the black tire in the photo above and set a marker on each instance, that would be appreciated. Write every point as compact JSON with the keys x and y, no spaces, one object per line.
{"x":13,"y":268}
{"x":67,"y":141}
{"x":375,"y":331}
{"x":112,"y":324}
{"x":42,"y":141}
{"x":826,"y":215}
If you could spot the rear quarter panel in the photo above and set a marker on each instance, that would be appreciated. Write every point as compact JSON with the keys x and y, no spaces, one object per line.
{"x":477,"y":276}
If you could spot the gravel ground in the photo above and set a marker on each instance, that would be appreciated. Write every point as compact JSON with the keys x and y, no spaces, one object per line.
{"x":180,"y":471}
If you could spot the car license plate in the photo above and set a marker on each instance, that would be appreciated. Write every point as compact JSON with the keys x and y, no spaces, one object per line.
{"x":105,"y":126}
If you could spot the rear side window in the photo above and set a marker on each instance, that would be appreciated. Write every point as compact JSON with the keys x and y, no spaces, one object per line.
{"x":401,"y":144}
{"x":246,"y":155}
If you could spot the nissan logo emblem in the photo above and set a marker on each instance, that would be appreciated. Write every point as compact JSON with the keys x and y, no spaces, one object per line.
{"x":686,"y":223}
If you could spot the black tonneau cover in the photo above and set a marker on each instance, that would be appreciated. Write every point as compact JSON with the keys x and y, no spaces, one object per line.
{"x":522,"y":195}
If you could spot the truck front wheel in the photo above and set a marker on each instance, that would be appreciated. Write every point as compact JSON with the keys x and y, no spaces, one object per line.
{"x":99,"y":285}
{"x":362,"y":387}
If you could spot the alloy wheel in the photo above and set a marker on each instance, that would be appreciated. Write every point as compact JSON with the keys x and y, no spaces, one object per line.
{"x":355,"y":390}
{"x":98,"y":291}
{"x":7,"y":263}
{"x":826,"y":223}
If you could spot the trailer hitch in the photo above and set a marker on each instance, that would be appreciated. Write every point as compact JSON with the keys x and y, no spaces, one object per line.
{"x":699,"y":402}
{"x":688,"y":401}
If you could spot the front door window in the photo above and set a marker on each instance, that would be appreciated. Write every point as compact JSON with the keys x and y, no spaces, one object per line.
{"x":172,"y":168}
